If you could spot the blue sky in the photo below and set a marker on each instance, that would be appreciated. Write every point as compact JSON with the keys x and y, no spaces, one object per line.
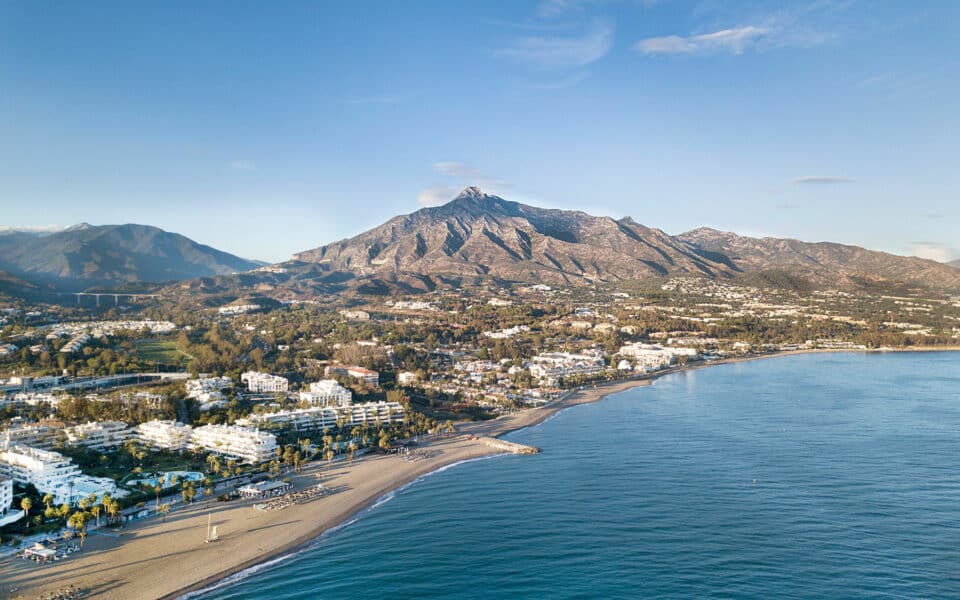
{"x":265,"y":131}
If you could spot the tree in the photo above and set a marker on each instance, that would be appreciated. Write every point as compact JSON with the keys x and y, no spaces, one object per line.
{"x":26,"y":504}
{"x":78,"y":521}
{"x":163,"y":509}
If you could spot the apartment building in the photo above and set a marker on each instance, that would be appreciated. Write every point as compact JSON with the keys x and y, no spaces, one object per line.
{"x":327,"y":392}
{"x":98,"y":435}
{"x":246,"y":444}
{"x":164,"y":435}
{"x":262,"y":383}
{"x":358,"y":373}
{"x":319,"y":418}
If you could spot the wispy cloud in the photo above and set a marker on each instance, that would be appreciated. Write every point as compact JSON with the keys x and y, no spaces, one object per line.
{"x":460,"y":175}
{"x":242,"y":166}
{"x":33,"y":228}
{"x":820,"y":180}
{"x":933,"y":251}
{"x":562,"y":52}
{"x":378,"y":99}
{"x":798,"y":25}
{"x":734,"y":41}
{"x":437,"y":195}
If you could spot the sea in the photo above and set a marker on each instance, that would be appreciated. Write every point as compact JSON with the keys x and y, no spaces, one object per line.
{"x":806,"y":476}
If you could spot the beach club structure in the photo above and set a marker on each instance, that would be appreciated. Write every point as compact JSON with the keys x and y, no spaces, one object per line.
{"x":318,"y":418}
{"x":264,"y":383}
{"x":327,"y":392}
{"x":52,"y":473}
{"x":264,"y":489}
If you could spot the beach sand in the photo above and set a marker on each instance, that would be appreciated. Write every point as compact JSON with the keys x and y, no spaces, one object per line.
{"x":165,"y":559}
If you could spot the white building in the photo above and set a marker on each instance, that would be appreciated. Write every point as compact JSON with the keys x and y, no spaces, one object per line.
{"x":550,"y":366}
{"x":650,"y":357}
{"x":197,"y":387}
{"x":319,"y":418}
{"x":260,"y":383}
{"x":238,"y":309}
{"x":33,"y":435}
{"x":327,"y":392}
{"x":407,"y":378}
{"x":8,"y":516}
{"x":233,"y":441}
{"x":164,"y":435}
{"x":52,"y":473}
{"x":98,"y":435}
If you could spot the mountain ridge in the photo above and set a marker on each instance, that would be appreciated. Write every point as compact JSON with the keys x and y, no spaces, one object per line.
{"x":84,"y":256}
{"x":480,"y":236}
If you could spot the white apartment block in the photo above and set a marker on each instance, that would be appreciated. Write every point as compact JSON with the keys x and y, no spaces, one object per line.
{"x":327,"y":392}
{"x":50,"y":472}
{"x":33,"y":435}
{"x":260,"y":383}
{"x":233,"y":441}
{"x":319,"y":418}
{"x":164,"y":435}
{"x":654,"y":356}
{"x":98,"y":435}
{"x":406,"y":378}
{"x":8,"y":516}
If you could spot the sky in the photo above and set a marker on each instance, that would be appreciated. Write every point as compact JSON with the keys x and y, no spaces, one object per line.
{"x":264,"y":129}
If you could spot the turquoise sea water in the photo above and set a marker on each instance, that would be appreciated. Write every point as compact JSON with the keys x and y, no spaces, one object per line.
{"x":815,"y":476}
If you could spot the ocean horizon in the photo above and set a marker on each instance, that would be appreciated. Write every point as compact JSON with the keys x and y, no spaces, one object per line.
{"x":827,"y":475}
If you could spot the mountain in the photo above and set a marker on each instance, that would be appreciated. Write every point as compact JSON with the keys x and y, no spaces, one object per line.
{"x":15,"y":286}
{"x":955,"y":264}
{"x":86,"y":256}
{"x":822,"y":263}
{"x":479,"y":238}
{"x":482,"y":236}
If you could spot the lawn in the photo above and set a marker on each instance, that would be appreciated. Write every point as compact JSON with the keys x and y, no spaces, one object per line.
{"x":161,"y":351}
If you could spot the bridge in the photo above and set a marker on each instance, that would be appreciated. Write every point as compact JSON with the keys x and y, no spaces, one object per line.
{"x":115,"y":295}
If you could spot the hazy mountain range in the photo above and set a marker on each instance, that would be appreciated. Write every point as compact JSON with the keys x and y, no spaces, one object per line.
{"x":474,"y":239}
{"x":87,"y":256}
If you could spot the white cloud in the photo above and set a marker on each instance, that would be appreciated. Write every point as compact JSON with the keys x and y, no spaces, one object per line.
{"x":933,"y":251}
{"x":435,"y":196}
{"x":33,"y":228}
{"x":820,"y":180}
{"x":734,"y":40}
{"x":459,"y":175}
{"x":242,"y":166}
{"x":562,"y":52}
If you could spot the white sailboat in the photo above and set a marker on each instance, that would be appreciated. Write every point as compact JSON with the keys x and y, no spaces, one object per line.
{"x":213,"y":534}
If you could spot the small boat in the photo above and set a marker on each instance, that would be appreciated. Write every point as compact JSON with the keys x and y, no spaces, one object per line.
{"x":213,"y":534}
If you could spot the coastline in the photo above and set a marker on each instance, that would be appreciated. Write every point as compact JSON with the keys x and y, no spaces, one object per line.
{"x":134,"y":564}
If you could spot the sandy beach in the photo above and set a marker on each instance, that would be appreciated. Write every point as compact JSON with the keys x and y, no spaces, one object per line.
{"x":166,"y":559}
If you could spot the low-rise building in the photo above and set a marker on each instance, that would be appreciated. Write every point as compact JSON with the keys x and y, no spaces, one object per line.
{"x":407,"y":378}
{"x":359,"y":373}
{"x":98,"y":435}
{"x":246,"y":444}
{"x":164,"y":435}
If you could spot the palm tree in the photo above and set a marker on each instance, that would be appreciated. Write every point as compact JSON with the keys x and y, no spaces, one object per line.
{"x":48,"y":500}
{"x":26,"y":504}
{"x":163,"y":510}
{"x":156,"y":490}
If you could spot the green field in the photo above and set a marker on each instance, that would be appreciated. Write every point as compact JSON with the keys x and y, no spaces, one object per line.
{"x":161,"y":351}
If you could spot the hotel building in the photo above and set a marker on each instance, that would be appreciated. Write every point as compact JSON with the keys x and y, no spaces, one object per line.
{"x":327,"y":392}
{"x":164,"y":435}
{"x":260,"y":383}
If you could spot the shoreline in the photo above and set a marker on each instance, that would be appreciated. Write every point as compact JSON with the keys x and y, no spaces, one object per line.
{"x":133,"y":565}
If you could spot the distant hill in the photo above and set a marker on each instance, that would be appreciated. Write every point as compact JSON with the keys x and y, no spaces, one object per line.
{"x":15,"y":286}
{"x":822,"y":263}
{"x":955,"y":264}
{"x":87,"y":256}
